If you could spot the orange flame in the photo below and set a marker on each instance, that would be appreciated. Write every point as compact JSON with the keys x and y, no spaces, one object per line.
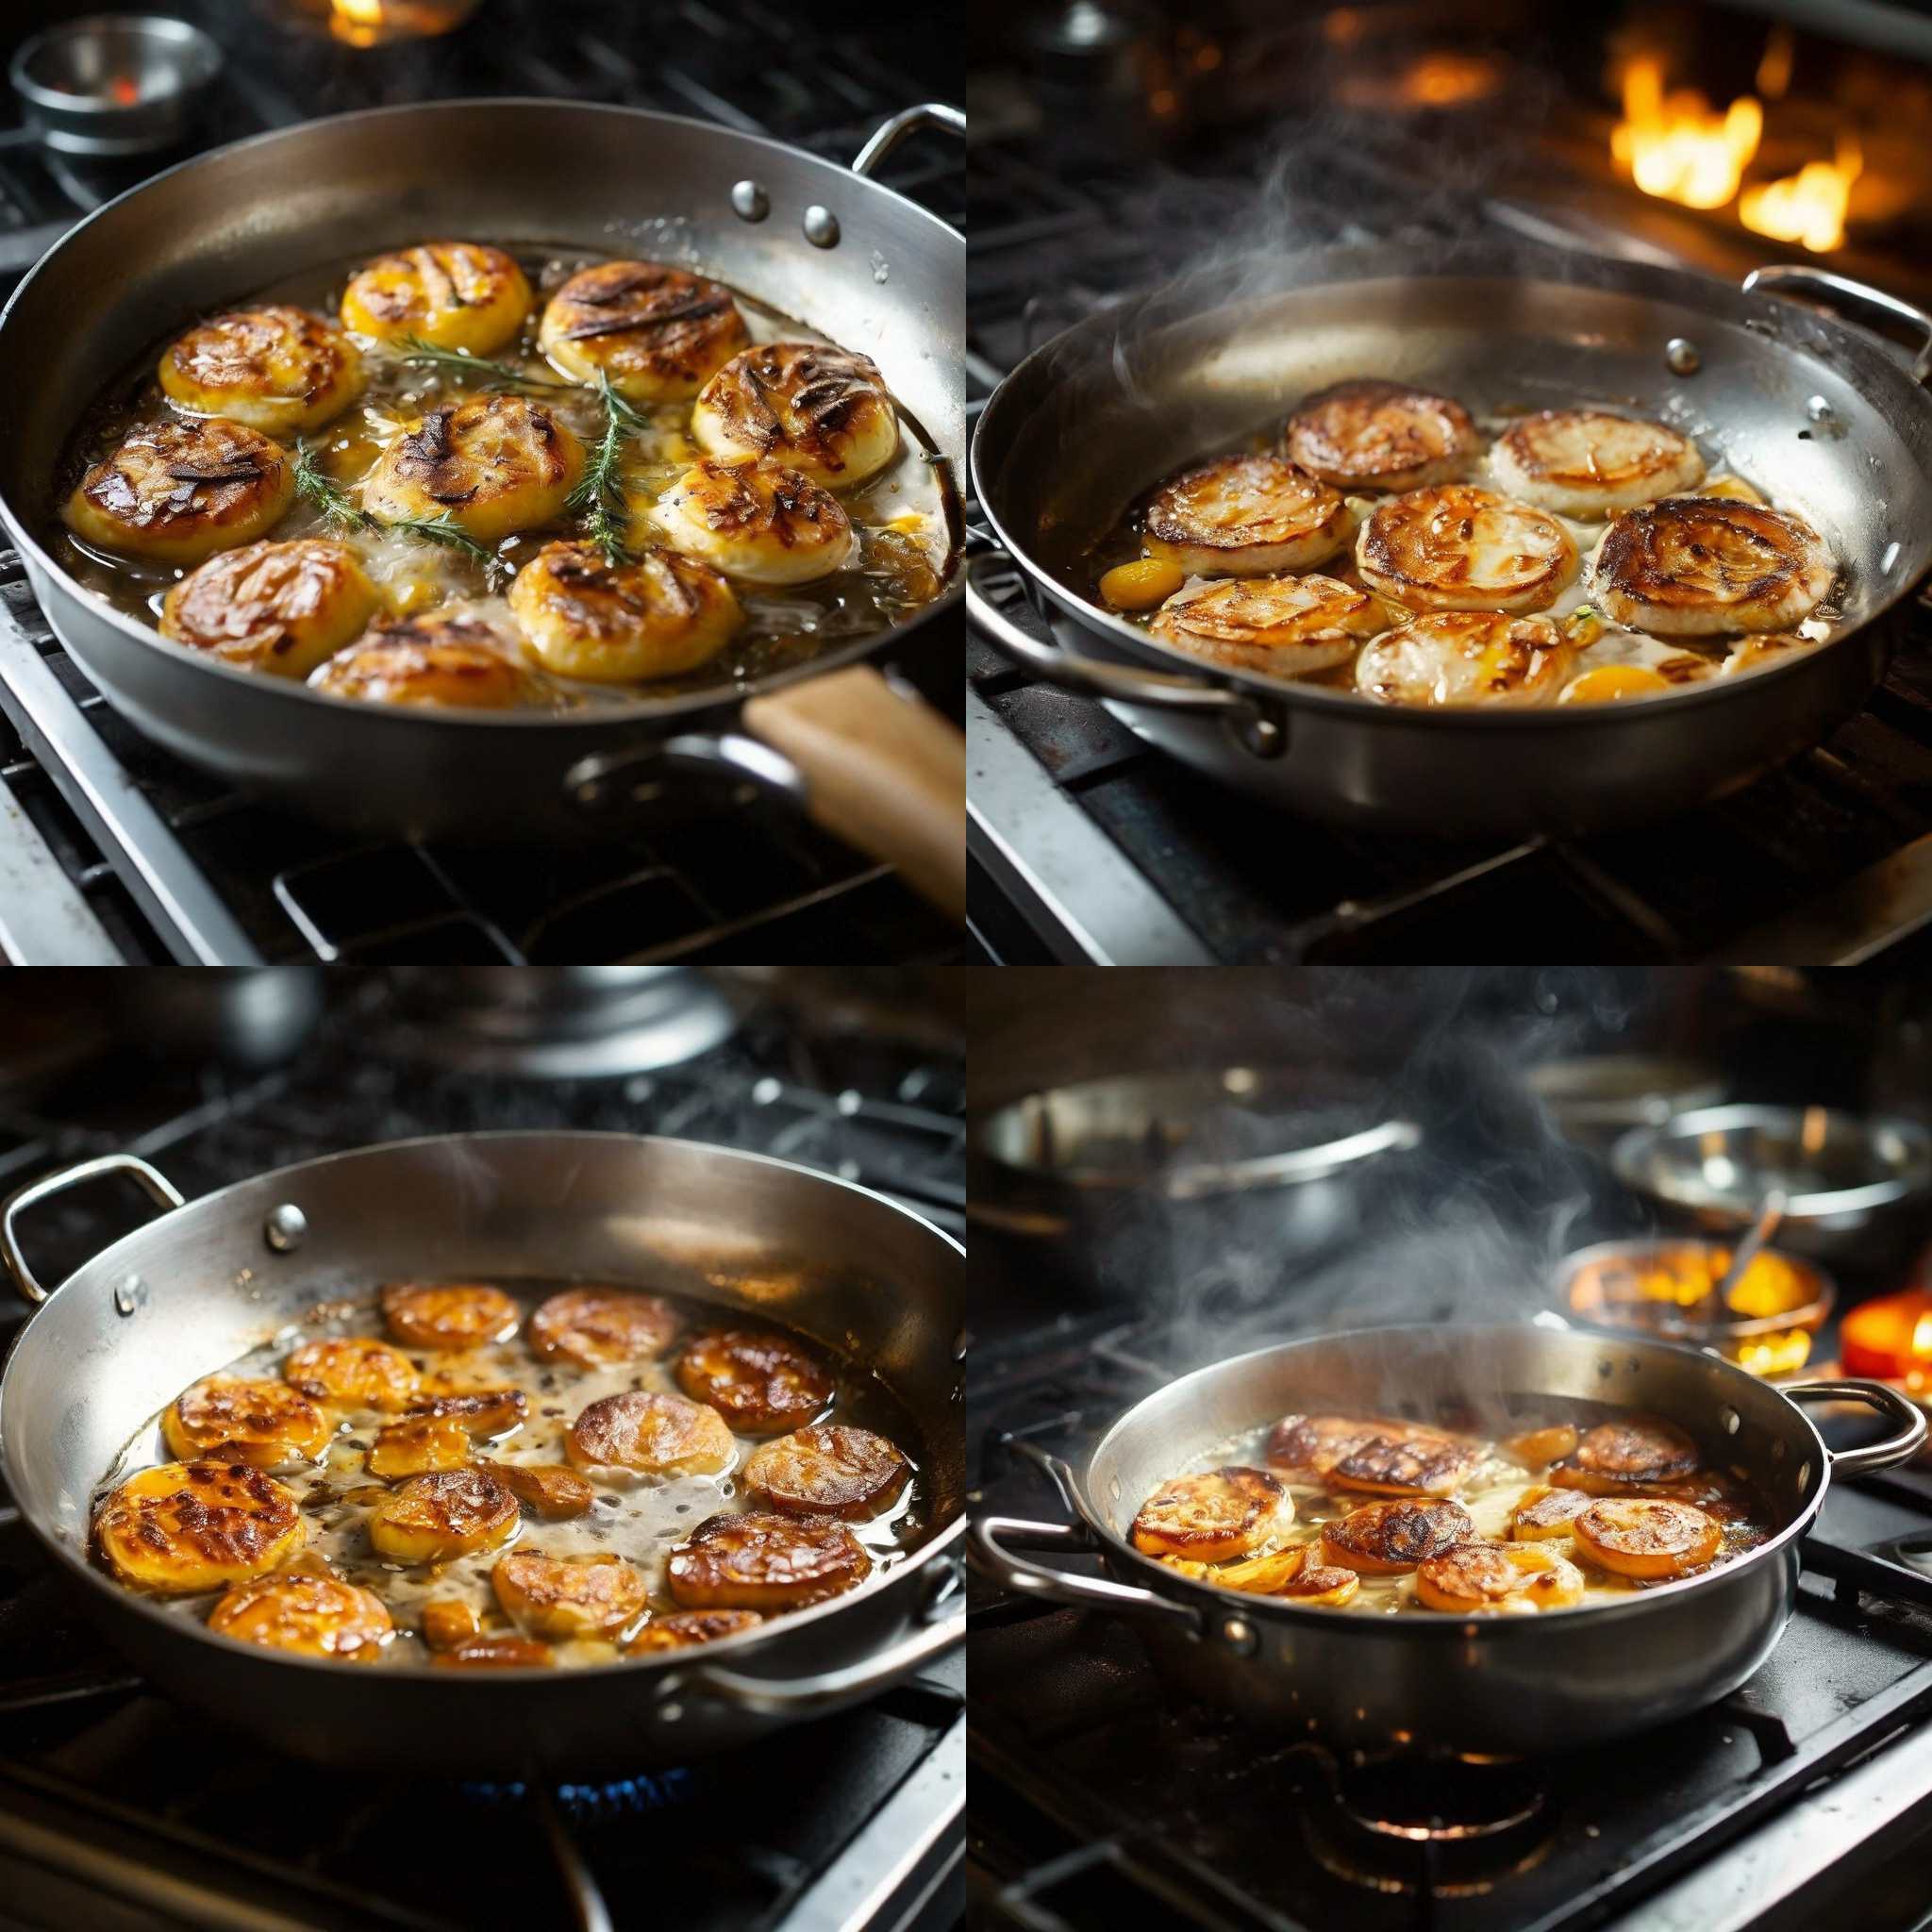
{"x":1808,"y":207}
{"x":1676,"y":145}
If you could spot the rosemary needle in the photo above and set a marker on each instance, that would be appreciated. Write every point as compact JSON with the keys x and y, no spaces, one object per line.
{"x":332,"y":500}
{"x":457,"y":362}
{"x":600,"y":490}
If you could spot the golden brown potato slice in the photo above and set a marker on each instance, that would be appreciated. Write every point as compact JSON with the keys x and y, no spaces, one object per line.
{"x":190,"y":1527}
{"x":457,"y":294}
{"x":279,"y":369}
{"x":761,"y":1383}
{"x":1326,"y":1584}
{"x":448,"y":1622}
{"x":641,"y":1432}
{"x":447,"y":1314}
{"x":453,"y":1512}
{"x":576,"y":1596}
{"x":318,"y":1616}
{"x":234,"y":1418}
{"x":276,"y":608}
{"x":353,"y":1371}
{"x":828,"y":1468}
{"x":1371,"y":434}
{"x":417,"y":1445}
{"x":759,"y":1561}
{"x":551,"y":1491}
{"x":1380,"y":1455}
{"x":655,"y":333}
{"x":453,"y":663}
{"x":1213,"y":1516}
{"x":680,"y":1629}
{"x":484,"y":1412}
{"x":1479,"y":1579}
{"x":1544,"y":1514}
{"x":1615,"y":1457}
{"x":1647,"y":1537}
{"x":596,"y":1328}
{"x":1386,"y":1539}
{"x":176,"y":493}
{"x":1538,"y":1448}
{"x":491,"y":464}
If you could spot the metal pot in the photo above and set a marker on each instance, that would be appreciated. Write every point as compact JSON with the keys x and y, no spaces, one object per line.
{"x":209,"y":1280}
{"x":1442,"y":1683}
{"x":1821,"y":411}
{"x":820,"y":242}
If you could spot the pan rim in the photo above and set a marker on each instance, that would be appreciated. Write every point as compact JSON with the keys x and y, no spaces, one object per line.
{"x":1444,"y":1627}
{"x":637,"y":710}
{"x":746,"y":1644}
{"x":1517,"y":263}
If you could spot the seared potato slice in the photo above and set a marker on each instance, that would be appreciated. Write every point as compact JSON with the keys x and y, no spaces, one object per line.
{"x":484,"y":1412}
{"x":1544,"y":1515}
{"x":1213,"y":1516}
{"x":186,"y":1527}
{"x":280,"y":608}
{"x":1380,"y":1455}
{"x":756,"y":520}
{"x":1697,"y":566}
{"x":759,"y":1561}
{"x":643,"y":1432}
{"x":353,"y":1371}
{"x":1590,"y":464}
{"x":656,"y":334}
{"x":761,"y":1383}
{"x":1245,"y":516}
{"x":230,"y":1419}
{"x":427,"y":660}
{"x":318,"y":1616}
{"x":551,"y":1491}
{"x":820,"y":410}
{"x":175,"y":492}
{"x":453,"y":1512}
{"x":1478,"y":1579}
{"x":494,"y":1653}
{"x":451,"y":1314}
{"x":654,"y":616}
{"x":276,"y":369}
{"x":495,"y":464}
{"x":1306,"y":1447}
{"x":598,"y":1327}
{"x":1538,"y":1448}
{"x":1458,"y":548}
{"x":1646,"y":1536}
{"x":1380,"y":436}
{"x":829,"y":1467}
{"x":1386,"y":1539}
{"x":448,"y":1622}
{"x":417,"y":1445}
{"x":577,"y":1596}
{"x":457,"y":294}
{"x":1616,"y":1458}
{"x":1466,"y":657}
{"x":1287,"y":626}
{"x":1326,"y":1584}
{"x":680,"y":1629}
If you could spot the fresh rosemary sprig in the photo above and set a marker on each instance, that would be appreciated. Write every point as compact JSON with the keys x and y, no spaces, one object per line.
{"x":327,"y":494}
{"x":600,"y":491}
{"x":445,"y":530}
{"x":457,"y":362}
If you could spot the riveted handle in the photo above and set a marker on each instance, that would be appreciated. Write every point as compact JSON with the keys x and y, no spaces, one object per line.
{"x":1798,"y":279}
{"x":830,"y":1690}
{"x":889,"y":134}
{"x":991,"y":1548}
{"x":159,"y":1189}
{"x":1900,"y":1447}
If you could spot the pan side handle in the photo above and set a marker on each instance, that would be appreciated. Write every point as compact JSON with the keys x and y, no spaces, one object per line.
{"x":160,"y":1190}
{"x":1797,"y":279}
{"x":1897,"y":1448}
{"x":805,"y":1696}
{"x":992,"y":1546}
{"x":889,"y":134}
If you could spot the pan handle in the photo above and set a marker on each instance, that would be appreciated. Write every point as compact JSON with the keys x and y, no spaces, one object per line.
{"x":1888,"y":1402}
{"x":992,"y":1538}
{"x":609,"y":781}
{"x":889,"y":134}
{"x":1255,"y":726}
{"x":805,"y":1696}
{"x":161,"y":1190}
{"x":1797,"y":279}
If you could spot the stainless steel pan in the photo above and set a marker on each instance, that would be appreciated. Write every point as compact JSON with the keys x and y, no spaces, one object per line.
{"x":1818,"y":411}
{"x":821,"y":242}
{"x":1443,"y":1684}
{"x":211,"y":1280}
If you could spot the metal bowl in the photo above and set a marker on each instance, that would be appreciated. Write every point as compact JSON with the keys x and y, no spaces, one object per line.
{"x":1853,"y":1181}
{"x":1599,"y":1096}
{"x":114,"y":83}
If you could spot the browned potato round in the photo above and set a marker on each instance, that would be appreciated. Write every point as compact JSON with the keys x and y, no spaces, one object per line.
{"x":186,"y":1527}
{"x":1213,"y":1516}
{"x":491,"y":464}
{"x":448,"y":1622}
{"x":1477,"y":1579}
{"x":353,"y":1371}
{"x":455,"y":662}
{"x":1542,"y":1513}
{"x":549,"y":1489}
{"x":232,"y":1418}
{"x":486,"y":1412}
{"x":175,"y":492}
{"x":278,"y":608}
{"x":1386,"y":1539}
{"x":1646,"y":1536}
{"x":447,"y":1314}
{"x":454,"y":1512}
{"x":1368,"y":435}
{"x":651,"y":1434}
{"x":278,"y":369}
{"x":417,"y":1445}
{"x":1538,"y":1448}
{"x":654,"y":333}
{"x":1320,"y":1583}
{"x":1615,"y":1457}
{"x":494,"y":1653}
{"x":761,"y":1383}
{"x":596,"y":1328}
{"x":580,"y":1596}
{"x":680,"y":1629}
{"x":822,"y":412}
{"x":1380,"y":1455}
{"x":829,"y":1467}
{"x":318,"y":1616}
{"x":759,"y":1561}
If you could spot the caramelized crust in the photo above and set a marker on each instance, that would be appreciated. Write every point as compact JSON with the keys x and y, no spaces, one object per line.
{"x":493,"y":463}
{"x":1385,"y":1538}
{"x":656,"y":333}
{"x":1458,"y":548}
{"x":654,"y":616}
{"x":447,"y":1314}
{"x":761,"y":1383}
{"x":652,"y":1434}
{"x":281,"y":607}
{"x":580,"y":1596}
{"x":1321,"y":1583}
{"x":819,"y":411}
{"x":829,"y":1467}
{"x":229,"y":1419}
{"x":318,"y":1616}
{"x":1695,"y":565}
{"x":1543,"y":1514}
{"x":1380,"y":436}
{"x":353,"y":1371}
{"x":184,"y":1527}
{"x":1588,"y":462}
{"x":486,"y":1412}
{"x":418,"y":1444}
{"x":596,"y":1328}
{"x":457,"y":294}
{"x":1466,"y":657}
{"x":276,"y":368}
{"x":427,"y":660}
{"x":1286,"y":625}
{"x":759,"y":1561}
{"x":1646,"y":1536}
{"x":179,"y":492}
{"x":551,"y":1491}
{"x":756,"y":520}
{"x":1492,"y":1579}
{"x":453,"y":1512}
{"x":1213,"y":1516}
{"x":1614,"y":1458}
{"x":1245,"y":515}
{"x":1382,"y":1457}
{"x":680,"y":1629}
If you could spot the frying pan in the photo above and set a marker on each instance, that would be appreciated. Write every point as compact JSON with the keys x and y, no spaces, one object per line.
{"x":1439,"y":1684}
{"x":209,"y":1280}
{"x":1819,"y":412}
{"x":820,"y":243}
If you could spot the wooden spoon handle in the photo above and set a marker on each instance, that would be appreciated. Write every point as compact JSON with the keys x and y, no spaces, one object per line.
{"x":884,"y":773}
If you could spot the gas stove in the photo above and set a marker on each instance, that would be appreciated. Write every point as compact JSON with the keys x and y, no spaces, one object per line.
{"x":118,"y":1809}
{"x":113,"y":850}
{"x":1107,"y":142}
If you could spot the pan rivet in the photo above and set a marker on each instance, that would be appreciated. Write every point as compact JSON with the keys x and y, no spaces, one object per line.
{"x":129,"y":1296}
{"x":821,"y":226}
{"x":286,"y":1227}
{"x":1817,"y":409}
{"x":1239,"y":1635}
{"x":1682,"y":355}
{"x":749,"y":201}
{"x":671,"y":1713}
